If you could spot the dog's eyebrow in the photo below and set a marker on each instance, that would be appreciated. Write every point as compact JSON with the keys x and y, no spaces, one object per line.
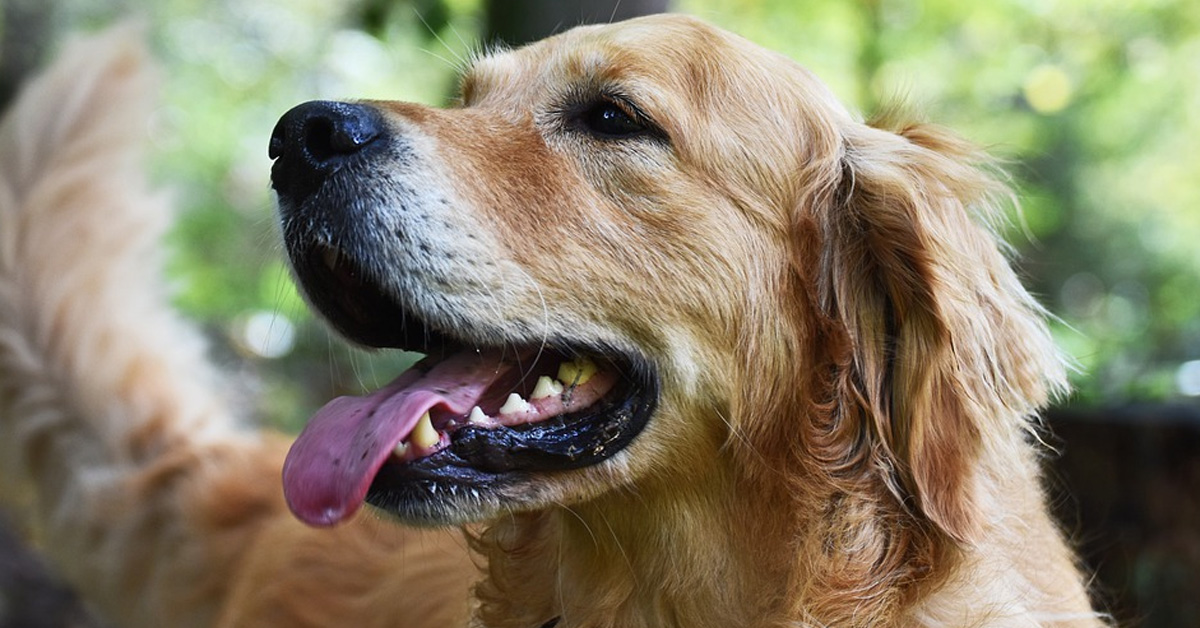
{"x":477,"y":77}
{"x":474,"y":82}
{"x":467,"y":87}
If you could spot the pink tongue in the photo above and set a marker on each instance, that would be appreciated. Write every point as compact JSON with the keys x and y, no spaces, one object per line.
{"x":330,"y":466}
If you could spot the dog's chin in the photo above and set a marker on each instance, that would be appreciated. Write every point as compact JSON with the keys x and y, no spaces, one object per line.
{"x":488,"y":458}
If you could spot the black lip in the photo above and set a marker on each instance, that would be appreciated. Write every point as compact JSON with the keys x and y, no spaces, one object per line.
{"x":354,"y":305}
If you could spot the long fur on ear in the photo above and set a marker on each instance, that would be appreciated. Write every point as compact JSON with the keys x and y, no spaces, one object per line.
{"x":946,"y":353}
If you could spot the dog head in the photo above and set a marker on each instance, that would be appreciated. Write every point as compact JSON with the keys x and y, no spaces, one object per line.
{"x":668,"y":244}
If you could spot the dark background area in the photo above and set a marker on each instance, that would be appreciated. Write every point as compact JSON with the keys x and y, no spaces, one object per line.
{"x":1094,"y":106}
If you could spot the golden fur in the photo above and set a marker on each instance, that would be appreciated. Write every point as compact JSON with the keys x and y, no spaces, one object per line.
{"x":849,"y":366}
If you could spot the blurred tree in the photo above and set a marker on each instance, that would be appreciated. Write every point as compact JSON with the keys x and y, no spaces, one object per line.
{"x":31,"y":596}
{"x":517,"y":22}
{"x":376,"y":15}
{"x":25,"y":33}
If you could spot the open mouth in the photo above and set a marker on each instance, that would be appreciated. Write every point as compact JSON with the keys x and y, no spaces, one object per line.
{"x":464,"y":424}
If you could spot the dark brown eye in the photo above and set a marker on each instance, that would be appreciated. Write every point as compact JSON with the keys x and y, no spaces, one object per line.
{"x":606,"y":119}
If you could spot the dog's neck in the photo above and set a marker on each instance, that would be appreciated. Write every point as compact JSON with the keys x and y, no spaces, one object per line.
{"x":716,"y":548}
{"x":665,"y":552}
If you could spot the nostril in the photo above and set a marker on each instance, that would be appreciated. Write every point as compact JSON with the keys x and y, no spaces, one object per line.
{"x":334,"y":129}
{"x":316,"y":139}
{"x":319,"y":139}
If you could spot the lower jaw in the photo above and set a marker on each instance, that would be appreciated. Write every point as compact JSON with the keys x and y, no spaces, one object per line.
{"x":436,"y":501}
{"x":454,"y":496}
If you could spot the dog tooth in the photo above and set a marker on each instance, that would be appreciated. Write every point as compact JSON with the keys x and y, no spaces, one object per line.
{"x":576,"y":372}
{"x":477,"y":417}
{"x":546,"y":387}
{"x":514,"y":404}
{"x":401,"y":449}
{"x":424,"y":436}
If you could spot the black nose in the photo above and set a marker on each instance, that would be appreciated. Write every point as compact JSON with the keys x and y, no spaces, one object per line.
{"x":315,"y":140}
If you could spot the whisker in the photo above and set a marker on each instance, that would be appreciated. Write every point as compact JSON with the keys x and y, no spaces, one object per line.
{"x":612,"y":17}
{"x":462,"y":62}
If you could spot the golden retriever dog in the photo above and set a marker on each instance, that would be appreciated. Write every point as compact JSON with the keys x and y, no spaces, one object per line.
{"x":703,"y":349}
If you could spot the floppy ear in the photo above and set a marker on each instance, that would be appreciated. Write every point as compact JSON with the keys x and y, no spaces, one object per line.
{"x":945,"y":354}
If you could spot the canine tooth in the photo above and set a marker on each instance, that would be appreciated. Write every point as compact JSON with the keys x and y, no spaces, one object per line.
{"x":514,"y":404}
{"x":477,"y":417}
{"x":546,"y":387}
{"x":576,"y":372}
{"x":401,"y":449}
{"x":424,"y":436}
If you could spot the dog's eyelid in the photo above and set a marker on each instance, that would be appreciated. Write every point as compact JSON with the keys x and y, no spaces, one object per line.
{"x":640,"y":114}
{"x":610,"y":115}
{"x":631,"y":107}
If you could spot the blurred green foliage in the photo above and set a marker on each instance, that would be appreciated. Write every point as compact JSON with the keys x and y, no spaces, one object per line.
{"x":1094,"y":104}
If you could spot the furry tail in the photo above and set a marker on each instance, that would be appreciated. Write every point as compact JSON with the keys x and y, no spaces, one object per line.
{"x":145,"y":493}
{"x":84,"y":319}
{"x":104,"y":391}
